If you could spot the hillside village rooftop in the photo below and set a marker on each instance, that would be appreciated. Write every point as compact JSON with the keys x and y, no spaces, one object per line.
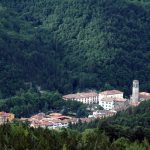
{"x":144,"y":95}
{"x":111,"y":92}
{"x":111,"y":99}
{"x":80,"y":95}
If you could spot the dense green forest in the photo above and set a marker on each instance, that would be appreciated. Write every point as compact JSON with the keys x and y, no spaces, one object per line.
{"x":128,"y":130}
{"x":71,"y":45}
{"x":27,"y":103}
{"x":134,"y":119}
{"x":19,"y":136}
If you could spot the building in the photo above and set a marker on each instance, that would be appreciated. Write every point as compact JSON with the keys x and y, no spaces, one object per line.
{"x":51,"y":121}
{"x":112,"y":103}
{"x":102,"y":113}
{"x":107,"y":103}
{"x":144,"y":96}
{"x":135,"y":92}
{"x":110,"y":99}
{"x":120,"y":104}
{"x":3,"y":119}
{"x":110,"y":94}
{"x":137,"y":96}
{"x":6,"y":117}
{"x":84,"y":97}
{"x":134,"y":99}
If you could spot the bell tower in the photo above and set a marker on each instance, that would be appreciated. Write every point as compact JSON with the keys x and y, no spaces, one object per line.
{"x":135,"y":91}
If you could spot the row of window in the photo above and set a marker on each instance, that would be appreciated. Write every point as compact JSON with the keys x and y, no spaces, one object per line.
{"x":106,"y":102}
{"x":106,"y":106}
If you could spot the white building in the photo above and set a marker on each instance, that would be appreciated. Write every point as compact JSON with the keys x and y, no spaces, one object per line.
{"x":102,"y":113}
{"x":111,"y":100}
{"x":110,"y":94}
{"x":135,"y":92}
{"x":84,"y":97}
{"x":107,"y":103}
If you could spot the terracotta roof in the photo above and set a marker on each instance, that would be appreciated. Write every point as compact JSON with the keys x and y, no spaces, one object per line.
{"x":111,"y":99}
{"x":111,"y":92}
{"x":145,"y":95}
{"x":4,"y":114}
{"x":119,"y":99}
{"x":80,"y":95}
{"x":55,"y":114}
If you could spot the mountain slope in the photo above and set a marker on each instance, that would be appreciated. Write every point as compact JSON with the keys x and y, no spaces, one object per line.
{"x":94,"y":44}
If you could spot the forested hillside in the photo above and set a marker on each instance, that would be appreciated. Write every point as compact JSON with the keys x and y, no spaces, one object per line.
{"x":132,"y":124}
{"x":26,"y":104}
{"x":134,"y":119}
{"x":19,"y":136}
{"x":70,"y":45}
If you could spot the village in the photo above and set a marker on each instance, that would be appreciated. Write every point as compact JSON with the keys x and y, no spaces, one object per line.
{"x":111,"y":101}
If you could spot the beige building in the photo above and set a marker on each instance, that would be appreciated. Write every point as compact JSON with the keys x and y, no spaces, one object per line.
{"x":84,"y":97}
{"x":111,"y":100}
{"x":6,"y":117}
{"x":110,"y":94}
{"x":110,"y":103}
{"x":144,"y":96}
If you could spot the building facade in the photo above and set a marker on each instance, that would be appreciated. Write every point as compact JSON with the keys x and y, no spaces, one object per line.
{"x":112,"y":100}
{"x":84,"y":97}
{"x":6,"y":117}
{"x":135,"y":92}
{"x":110,"y":94}
{"x":144,"y":96}
{"x":107,"y":103}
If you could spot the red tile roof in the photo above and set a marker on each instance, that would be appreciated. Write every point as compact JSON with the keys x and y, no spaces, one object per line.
{"x":80,"y":95}
{"x":119,"y":99}
{"x":55,"y":114}
{"x":111,"y":99}
{"x":144,"y":95}
{"x":111,"y":92}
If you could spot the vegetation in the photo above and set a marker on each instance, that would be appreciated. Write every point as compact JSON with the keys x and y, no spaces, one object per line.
{"x":16,"y":137}
{"x":128,"y":123}
{"x":69,"y":45}
{"x":25,"y":104}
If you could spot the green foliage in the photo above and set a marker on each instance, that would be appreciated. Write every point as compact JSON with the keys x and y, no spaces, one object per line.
{"x":68,"y":45}
{"x":28,"y":103}
{"x":134,"y":116}
{"x":132,"y":124}
{"x":20,"y":136}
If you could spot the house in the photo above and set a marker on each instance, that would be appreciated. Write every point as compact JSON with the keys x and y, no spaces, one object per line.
{"x":84,"y":97}
{"x":6,"y":117}
{"x":144,"y":96}
{"x":107,"y":103}
{"x":51,"y":121}
{"x":111,"y":99}
{"x":102,"y":113}
{"x":110,"y":94}
{"x":120,"y":104}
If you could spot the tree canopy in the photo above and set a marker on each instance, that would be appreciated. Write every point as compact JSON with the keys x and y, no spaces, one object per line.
{"x":71,"y":45}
